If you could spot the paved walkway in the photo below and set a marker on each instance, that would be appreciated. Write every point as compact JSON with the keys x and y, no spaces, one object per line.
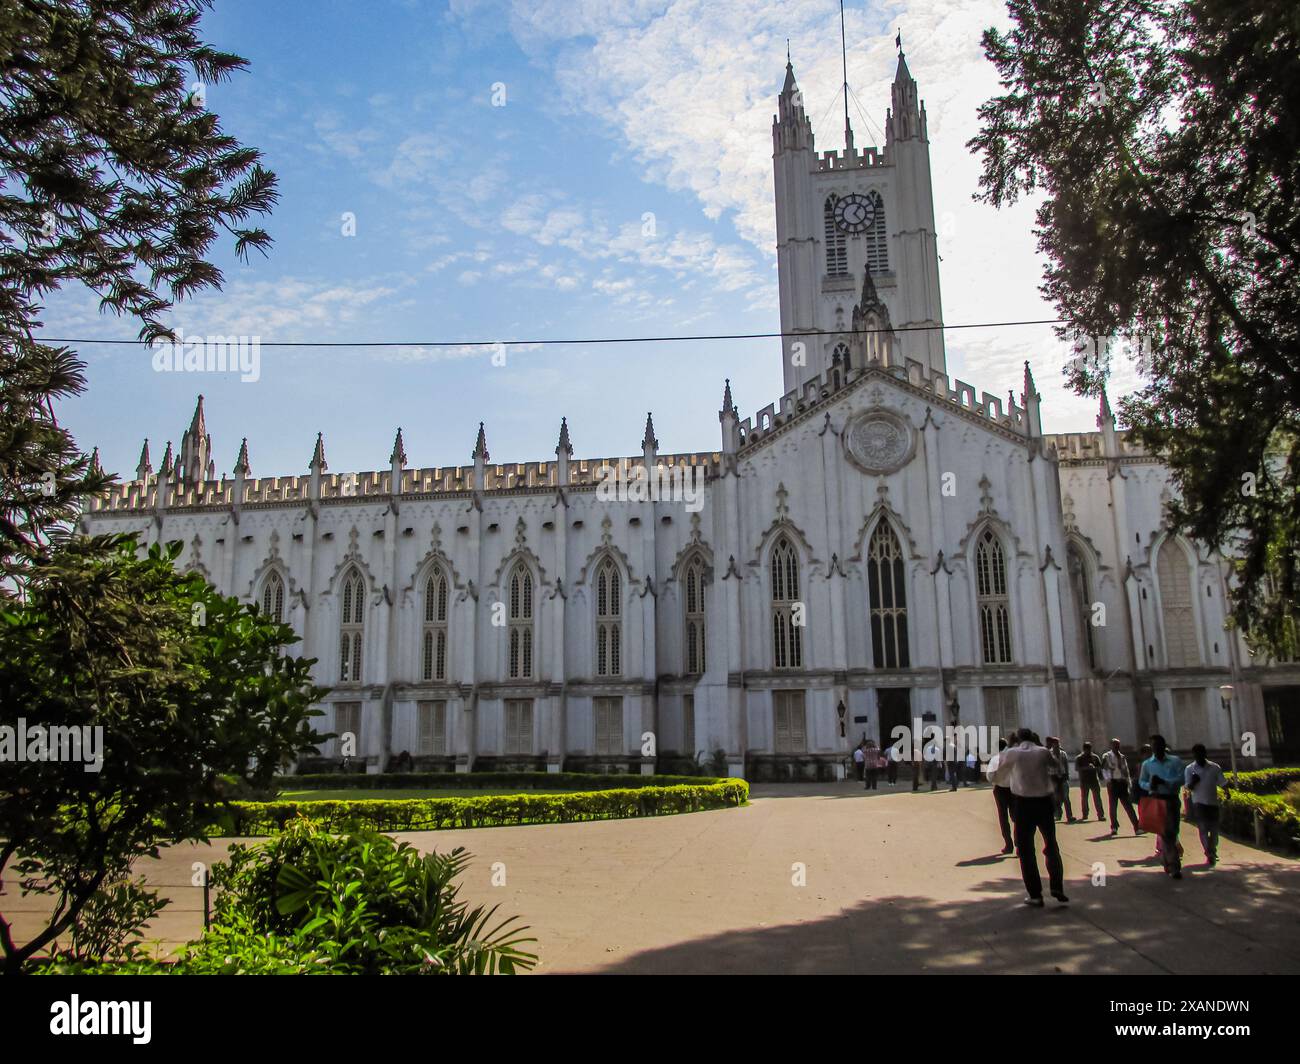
{"x":895,"y":882}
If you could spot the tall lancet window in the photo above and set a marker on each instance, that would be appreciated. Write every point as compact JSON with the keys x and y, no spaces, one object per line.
{"x":876,"y":237}
{"x":991,"y":593}
{"x":837,"y":256}
{"x":352,"y":623}
{"x":1175,"y":578}
{"x":521,"y":623}
{"x":693,"y":582}
{"x":1083,"y":596}
{"x":609,"y":624}
{"x":433,"y":644}
{"x":888,"y":592}
{"x":787,"y":610}
{"x":273,"y":597}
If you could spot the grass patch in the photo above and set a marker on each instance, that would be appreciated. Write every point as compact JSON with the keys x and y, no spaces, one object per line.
{"x":391,"y":795}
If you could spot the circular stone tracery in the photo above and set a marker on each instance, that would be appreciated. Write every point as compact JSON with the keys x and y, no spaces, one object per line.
{"x":879,"y":441}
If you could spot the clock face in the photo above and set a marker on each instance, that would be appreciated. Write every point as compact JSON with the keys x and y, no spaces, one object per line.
{"x":854,"y":214}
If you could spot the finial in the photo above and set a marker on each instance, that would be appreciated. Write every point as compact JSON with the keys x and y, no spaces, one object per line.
{"x":564,"y":446}
{"x":898,"y":41}
{"x":648,"y":441}
{"x":727,"y":405}
{"x":399,"y":449}
{"x":318,"y":464}
{"x":94,"y":461}
{"x":167,"y":461}
{"x":242,"y":468}
{"x":1105,"y":414}
{"x":198,"y":419}
{"x":143,"y":470}
{"x":1031,"y":391}
{"x":480,"y":445}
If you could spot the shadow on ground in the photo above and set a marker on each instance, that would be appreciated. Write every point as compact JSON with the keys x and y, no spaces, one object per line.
{"x":1229,"y":920}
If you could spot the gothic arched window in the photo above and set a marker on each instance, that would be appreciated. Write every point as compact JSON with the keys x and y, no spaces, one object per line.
{"x":351,"y":627}
{"x":693,"y":583}
{"x":273,"y":597}
{"x":888,"y":594}
{"x":609,"y":625}
{"x":992,"y":600}
{"x":433,"y":642}
{"x":787,"y":610}
{"x":841,"y":355}
{"x":877,"y":239}
{"x":837,"y":256}
{"x":1174,"y":574}
{"x":1083,"y":596}
{"x":521,"y":623}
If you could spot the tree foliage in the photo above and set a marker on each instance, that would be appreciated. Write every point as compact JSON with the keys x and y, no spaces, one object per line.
{"x":1160,"y":135}
{"x":188,"y":687}
{"x":113,"y":174}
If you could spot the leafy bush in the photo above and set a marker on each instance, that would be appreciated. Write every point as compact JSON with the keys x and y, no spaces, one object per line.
{"x":1280,"y":818}
{"x":109,"y":926}
{"x":308,"y":902}
{"x":433,"y":814}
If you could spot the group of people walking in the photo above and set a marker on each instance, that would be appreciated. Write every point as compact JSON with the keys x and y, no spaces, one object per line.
{"x":1031,"y":790}
{"x":870,"y":762}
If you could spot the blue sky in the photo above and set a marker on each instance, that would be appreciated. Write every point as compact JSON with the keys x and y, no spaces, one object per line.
{"x":529,"y":220}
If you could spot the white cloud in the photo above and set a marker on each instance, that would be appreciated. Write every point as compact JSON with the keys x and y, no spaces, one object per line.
{"x":689,"y":87}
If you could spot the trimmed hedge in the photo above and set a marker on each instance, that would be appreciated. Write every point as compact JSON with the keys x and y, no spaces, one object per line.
{"x":1280,"y":819}
{"x":435,"y":814}
{"x":1259,"y":792}
{"x":549,"y":781}
{"x":1264,"y":781}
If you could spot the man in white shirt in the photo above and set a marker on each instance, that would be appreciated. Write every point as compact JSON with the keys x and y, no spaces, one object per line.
{"x":1115,"y":770}
{"x":1002,"y":796}
{"x":1027,"y":769}
{"x":1203,"y":778}
{"x":859,"y":759}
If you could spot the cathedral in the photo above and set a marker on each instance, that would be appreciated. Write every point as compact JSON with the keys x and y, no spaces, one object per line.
{"x":880,"y":545}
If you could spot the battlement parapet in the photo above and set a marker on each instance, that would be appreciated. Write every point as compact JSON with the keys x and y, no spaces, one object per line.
{"x":1091,"y":446}
{"x":850,"y":160}
{"x":830,"y":383}
{"x":137,"y":495}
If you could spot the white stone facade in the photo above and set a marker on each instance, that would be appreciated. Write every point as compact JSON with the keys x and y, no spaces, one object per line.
{"x":880,"y":544}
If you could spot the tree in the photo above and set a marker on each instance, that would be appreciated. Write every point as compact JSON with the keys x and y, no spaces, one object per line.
{"x":112,"y":174}
{"x":1154,"y":131}
{"x":186,"y":688}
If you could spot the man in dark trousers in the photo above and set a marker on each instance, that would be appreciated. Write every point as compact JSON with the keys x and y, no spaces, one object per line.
{"x":1088,"y":765}
{"x":1028,"y":768}
{"x":1002,"y":796}
{"x":1114,"y":766}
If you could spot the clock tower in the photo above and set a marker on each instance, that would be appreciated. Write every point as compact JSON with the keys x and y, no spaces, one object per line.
{"x":851,"y":223}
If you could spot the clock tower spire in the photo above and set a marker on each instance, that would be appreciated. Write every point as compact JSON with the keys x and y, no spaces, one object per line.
{"x":844,"y":217}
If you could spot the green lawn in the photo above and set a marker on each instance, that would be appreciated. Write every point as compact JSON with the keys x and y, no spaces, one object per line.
{"x":396,"y":795}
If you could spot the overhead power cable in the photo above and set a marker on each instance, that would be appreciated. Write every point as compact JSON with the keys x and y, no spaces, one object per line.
{"x":585,"y":339}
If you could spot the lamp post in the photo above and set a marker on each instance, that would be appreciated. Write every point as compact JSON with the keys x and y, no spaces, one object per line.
{"x":1225,"y":698}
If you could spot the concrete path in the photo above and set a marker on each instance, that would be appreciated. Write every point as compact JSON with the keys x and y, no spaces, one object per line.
{"x":894,"y":882}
